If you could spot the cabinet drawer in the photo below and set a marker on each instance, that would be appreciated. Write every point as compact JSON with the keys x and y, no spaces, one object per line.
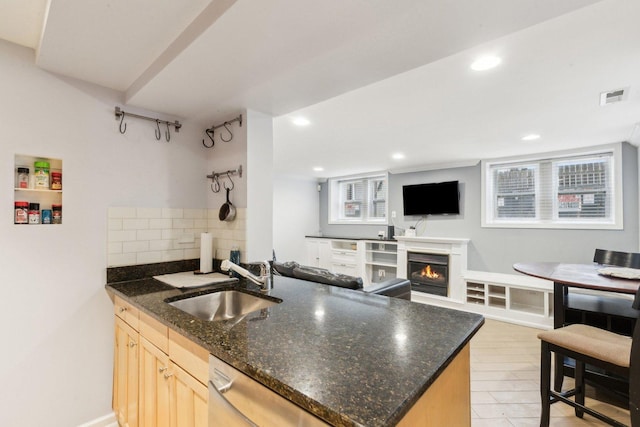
{"x":126,"y":312}
{"x":344,"y":268}
{"x":343,"y":256}
{"x":190,"y":356}
{"x":154,"y":331}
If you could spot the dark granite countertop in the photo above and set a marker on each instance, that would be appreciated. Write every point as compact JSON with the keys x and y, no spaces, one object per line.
{"x":376,"y":239}
{"x":349,"y":357}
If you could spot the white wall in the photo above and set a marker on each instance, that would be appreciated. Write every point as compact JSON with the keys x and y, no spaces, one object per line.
{"x":55,"y":316}
{"x":259,"y":186}
{"x":296,"y":214}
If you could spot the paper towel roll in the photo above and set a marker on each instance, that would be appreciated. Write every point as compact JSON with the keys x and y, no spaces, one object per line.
{"x":206,"y":253}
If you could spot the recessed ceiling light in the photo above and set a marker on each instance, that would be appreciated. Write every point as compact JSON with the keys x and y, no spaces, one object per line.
{"x":397,"y":156}
{"x":318,"y":168}
{"x":485,"y":63}
{"x":301,"y":121}
{"x":531,"y":137}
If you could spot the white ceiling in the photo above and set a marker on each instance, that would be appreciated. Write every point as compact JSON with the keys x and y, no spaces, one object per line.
{"x":374,"y":77}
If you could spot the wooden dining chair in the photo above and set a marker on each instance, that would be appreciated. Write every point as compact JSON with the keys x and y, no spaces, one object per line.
{"x":585,"y":344}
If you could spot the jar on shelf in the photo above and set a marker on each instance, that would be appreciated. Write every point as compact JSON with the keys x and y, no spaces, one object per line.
{"x":57,"y":214}
{"x":23,"y":178}
{"x":21,"y":212}
{"x":46,"y":216}
{"x":41,"y":175}
{"x":56,"y":180}
{"x":34,"y":213}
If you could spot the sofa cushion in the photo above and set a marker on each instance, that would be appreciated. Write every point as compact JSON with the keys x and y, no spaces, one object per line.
{"x":321,"y":275}
{"x":285,"y":268}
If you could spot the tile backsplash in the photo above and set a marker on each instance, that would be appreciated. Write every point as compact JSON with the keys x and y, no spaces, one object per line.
{"x":149,"y":235}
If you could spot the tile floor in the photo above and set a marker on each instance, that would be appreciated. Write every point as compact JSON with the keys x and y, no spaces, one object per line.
{"x":505,"y":370}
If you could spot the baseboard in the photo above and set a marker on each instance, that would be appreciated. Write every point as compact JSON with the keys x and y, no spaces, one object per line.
{"x":104,"y":421}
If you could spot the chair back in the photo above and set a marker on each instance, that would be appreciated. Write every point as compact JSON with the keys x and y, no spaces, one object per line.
{"x":618,"y":259}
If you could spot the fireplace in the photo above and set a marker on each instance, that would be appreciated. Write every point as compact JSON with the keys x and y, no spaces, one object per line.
{"x":428,"y":273}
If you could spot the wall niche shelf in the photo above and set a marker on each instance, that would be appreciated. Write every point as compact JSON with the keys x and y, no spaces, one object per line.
{"x":27,"y":191}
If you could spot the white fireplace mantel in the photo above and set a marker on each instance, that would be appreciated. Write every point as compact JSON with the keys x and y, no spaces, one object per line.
{"x":456,"y":248}
{"x":450,"y":240}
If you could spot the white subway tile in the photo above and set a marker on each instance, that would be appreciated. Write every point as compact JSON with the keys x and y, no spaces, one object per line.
{"x":191,"y":253}
{"x":198,"y":231}
{"x":116,"y":212}
{"x":172,"y":213}
{"x":138,"y":246}
{"x":200,"y":223}
{"x":182,"y":223}
{"x":135,"y":224}
{"x":117,"y":260}
{"x":148,"y":234}
{"x":159,"y":224}
{"x":115,"y":223}
{"x":114,"y":247}
{"x":160,"y":245}
{"x":149,"y":213}
{"x":121,"y":236}
{"x":148,"y":257}
{"x":172,"y":234}
{"x":173,"y":255}
{"x":195,"y":213}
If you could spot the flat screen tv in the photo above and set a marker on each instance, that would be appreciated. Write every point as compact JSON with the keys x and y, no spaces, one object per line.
{"x":438,"y":198}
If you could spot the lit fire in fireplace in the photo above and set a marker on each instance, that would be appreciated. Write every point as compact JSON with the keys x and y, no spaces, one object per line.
{"x":428,"y":272}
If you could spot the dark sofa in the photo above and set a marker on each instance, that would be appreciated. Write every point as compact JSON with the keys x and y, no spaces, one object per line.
{"x":396,"y":287}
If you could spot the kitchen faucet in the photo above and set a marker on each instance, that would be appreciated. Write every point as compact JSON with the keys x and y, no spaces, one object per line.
{"x":263,"y":281}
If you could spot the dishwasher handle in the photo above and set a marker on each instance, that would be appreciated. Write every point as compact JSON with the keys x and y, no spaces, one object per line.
{"x":220,"y":384}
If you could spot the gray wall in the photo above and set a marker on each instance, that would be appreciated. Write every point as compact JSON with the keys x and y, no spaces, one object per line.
{"x":497,"y":249}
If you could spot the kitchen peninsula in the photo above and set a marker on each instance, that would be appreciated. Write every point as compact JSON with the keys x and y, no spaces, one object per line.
{"x":347,"y":357}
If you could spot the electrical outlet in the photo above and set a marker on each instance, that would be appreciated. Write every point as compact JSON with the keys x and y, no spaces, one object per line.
{"x":393,"y":214}
{"x":381,"y":273}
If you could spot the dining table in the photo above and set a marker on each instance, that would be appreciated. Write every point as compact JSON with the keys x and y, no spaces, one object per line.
{"x":601,"y":296}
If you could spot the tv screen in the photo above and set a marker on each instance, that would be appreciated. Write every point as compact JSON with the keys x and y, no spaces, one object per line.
{"x":439,"y":198}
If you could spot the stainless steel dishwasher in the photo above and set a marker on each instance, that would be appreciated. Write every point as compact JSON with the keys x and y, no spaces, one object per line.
{"x":235,"y":400}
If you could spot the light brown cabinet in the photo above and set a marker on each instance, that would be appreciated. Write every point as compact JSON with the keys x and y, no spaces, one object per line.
{"x":155,"y":386}
{"x":159,"y":376}
{"x":125,"y":376}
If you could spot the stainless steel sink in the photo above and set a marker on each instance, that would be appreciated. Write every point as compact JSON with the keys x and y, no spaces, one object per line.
{"x":223,"y":305}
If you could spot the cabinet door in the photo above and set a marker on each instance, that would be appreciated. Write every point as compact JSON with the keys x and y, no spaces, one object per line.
{"x":313,"y":254}
{"x":125,"y":377}
{"x":189,"y":400}
{"x":155,"y":381}
{"x":324,"y":254}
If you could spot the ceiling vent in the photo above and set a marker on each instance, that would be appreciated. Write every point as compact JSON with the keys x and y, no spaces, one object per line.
{"x":614,"y":96}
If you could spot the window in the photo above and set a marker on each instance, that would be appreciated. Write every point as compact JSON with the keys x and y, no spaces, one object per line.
{"x":358,"y":200}
{"x":575,"y":191}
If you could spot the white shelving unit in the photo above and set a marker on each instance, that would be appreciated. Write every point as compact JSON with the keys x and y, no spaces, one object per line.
{"x":344,"y":257}
{"x":380,"y":261}
{"x":510,"y":297}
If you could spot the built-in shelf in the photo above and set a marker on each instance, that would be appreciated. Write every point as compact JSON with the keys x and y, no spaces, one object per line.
{"x":507,"y":297}
{"x":44,"y":197}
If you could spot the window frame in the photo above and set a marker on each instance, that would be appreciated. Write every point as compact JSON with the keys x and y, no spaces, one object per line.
{"x":335,"y":199}
{"x":613,"y":222}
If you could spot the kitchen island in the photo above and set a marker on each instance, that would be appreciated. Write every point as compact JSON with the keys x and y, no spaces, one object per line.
{"x":347,"y":357}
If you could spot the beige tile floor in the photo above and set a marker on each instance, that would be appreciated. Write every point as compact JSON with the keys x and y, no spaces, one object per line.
{"x":505,"y":371}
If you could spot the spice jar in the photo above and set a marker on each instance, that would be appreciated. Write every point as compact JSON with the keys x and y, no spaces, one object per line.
{"x":57,"y":214}
{"x":46,"y":216}
{"x":21,"y":213}
{"x":34,"y":213}
{"x":56,"y":180}
{"x":41,"y":175}
{"x":23,"y":177}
